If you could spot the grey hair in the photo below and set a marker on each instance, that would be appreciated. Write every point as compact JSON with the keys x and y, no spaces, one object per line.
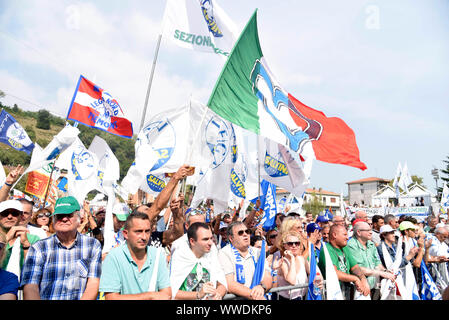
{"x":231,"y":226}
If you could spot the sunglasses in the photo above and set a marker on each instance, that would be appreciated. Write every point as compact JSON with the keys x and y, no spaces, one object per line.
{"x":2,"y":245}
{"x":41,"y":215}
{"x":14,"y":213}
{"x":292,"y":243}
{"x":241,"y":232}
{"x":272,"y":236}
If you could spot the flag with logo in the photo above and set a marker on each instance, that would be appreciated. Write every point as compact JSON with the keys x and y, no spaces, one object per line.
{"x":13,"y":135}
{"x":57,"y":145}
{"x":97,"y":108}
{"x":199,"y":25}
{"x":405,"y":180}
{"x":82,"y":167}
{"x":268,"y":203}
{"x":169,"y":140}
{"x":38,"y":181}
{"x":313,"y":292}
{"x":247,"y":94}
{"x":108,"y":164}
{"x":282,"y":167}
{"x":429,"y":290}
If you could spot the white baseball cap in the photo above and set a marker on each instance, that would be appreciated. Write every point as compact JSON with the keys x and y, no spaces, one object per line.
{"x":11,"y":204}
{"x":386,"y":228}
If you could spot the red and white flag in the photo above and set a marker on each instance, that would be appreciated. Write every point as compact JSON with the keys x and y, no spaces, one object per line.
{"x":96,"y":108}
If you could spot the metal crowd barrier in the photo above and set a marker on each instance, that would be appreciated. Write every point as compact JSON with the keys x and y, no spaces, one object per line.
{"x":231,"y":296}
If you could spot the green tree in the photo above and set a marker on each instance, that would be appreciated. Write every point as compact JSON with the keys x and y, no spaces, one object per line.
{"x":31,"y":133}
{"x":315,"y":206}
{"x":43,"y":119}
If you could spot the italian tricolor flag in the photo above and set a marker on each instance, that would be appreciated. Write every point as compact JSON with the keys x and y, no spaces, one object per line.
{"x":248,"y":95}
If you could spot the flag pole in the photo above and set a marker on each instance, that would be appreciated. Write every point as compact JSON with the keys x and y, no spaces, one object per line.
{"x":142,"y":121}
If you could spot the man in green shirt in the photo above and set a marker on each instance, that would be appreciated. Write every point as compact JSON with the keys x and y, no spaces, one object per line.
{"x":365,"y":254}
{"x":346,"y":267}
{"x":133,"y":270}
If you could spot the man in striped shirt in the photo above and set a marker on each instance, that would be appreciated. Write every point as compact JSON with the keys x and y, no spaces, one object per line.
{"x":65,"y":266}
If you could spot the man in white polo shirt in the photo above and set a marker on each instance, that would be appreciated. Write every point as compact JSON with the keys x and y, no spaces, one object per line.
{"x":239,"y":260}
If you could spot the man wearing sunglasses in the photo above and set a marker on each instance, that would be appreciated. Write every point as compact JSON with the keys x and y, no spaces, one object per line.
{"x":66,"y":265}
{"x":239,"y":261}
{"x":17,"y":236}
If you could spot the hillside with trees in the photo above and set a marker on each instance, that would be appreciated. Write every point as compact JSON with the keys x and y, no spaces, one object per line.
{"x":42,"y":126}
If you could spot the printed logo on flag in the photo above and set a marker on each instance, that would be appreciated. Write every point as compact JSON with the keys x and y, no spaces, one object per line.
{"x":155,"y":183}
{"x":238,"y":179}
{"x":273,"y":165}
{"x":274,"y":100}
{"x":12,"y":133}
{"x":83,"y":164}
{"x":207,"y":9}
{"x":162,"y":136}
{"x":218,"y":137}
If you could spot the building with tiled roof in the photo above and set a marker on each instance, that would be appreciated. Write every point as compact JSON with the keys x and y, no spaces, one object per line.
{"x":360,"y":191}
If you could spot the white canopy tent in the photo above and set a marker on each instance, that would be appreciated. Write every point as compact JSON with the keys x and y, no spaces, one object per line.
{"x":381,"y":198}
{"x":416,"y":193}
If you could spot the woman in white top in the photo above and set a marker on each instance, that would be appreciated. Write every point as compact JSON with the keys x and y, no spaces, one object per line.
{"x":292,"y":267}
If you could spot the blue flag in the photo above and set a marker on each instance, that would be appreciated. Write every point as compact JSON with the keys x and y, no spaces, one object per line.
{"x":328,"y":215}
{"x":313,"y":292}
{"x":13,"y":135}
{"x":260,"y":267}
{"x":268,"y":203}
{"x":429,"y":290}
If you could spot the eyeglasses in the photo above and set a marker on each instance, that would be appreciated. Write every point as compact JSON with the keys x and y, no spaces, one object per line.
{"x":241,"y":232}
{"x":14,"y":213}
{"x":292,"y":243}
{"x":272,"y":236}
{"x":41,"y":215}
{"x":369,"y":230}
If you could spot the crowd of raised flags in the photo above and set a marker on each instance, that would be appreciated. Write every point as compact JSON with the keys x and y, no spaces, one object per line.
{"x":251,"y":137}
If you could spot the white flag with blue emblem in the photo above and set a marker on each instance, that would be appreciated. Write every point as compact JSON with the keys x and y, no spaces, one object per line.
{"x":283,"y":168}
{"x":199,"y":25}
{"x":82,"y":167}
{"x":108,"y":164}
{"x":64,"y":139}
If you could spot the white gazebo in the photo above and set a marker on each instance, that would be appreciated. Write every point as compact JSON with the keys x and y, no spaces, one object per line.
{"x":382,"y":197}
{"x":413,"y":197}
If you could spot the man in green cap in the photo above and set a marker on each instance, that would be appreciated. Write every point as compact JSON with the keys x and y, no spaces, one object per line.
{"x":66,"y":265}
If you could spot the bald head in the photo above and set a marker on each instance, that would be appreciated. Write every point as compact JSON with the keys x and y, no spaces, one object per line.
{"x":361,"y":215}
{"x":338,"y":236}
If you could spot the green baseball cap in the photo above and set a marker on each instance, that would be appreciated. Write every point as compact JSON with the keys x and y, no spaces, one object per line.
{"x":66,"y":205}
{"x":407,"y":225}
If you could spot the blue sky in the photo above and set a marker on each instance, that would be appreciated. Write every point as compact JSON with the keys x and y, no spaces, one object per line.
{"x":381,"y":66}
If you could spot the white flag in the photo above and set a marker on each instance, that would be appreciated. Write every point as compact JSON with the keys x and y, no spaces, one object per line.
{"x":108,"y":164}
{"x":333,"y":290}
{"x":57,"y":145}
{"x":445,"y":195}
{"x":404,"y":180}
{"x":168,"y":141}
{"x":82,"y":167}
{"x":279,"y":166}
{"x":199,"y":25}
{"x":2,"y":175}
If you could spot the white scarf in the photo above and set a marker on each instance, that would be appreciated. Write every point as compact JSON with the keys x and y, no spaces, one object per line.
{"x":14,"y":260}
{"x":333,"y":290}
{"x":388,"y":288}
{"x":183,"y":261}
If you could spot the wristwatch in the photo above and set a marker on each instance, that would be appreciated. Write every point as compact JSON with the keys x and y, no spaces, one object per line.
{"x":265,"y":289}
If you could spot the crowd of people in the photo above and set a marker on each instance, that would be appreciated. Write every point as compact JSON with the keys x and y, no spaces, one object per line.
{"x":166,"y":250}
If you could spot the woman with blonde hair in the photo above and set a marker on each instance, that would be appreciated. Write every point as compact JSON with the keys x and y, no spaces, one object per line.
{"x":41,"y":219}
{"x":9,"y":283}
{"x":292,"y":267}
